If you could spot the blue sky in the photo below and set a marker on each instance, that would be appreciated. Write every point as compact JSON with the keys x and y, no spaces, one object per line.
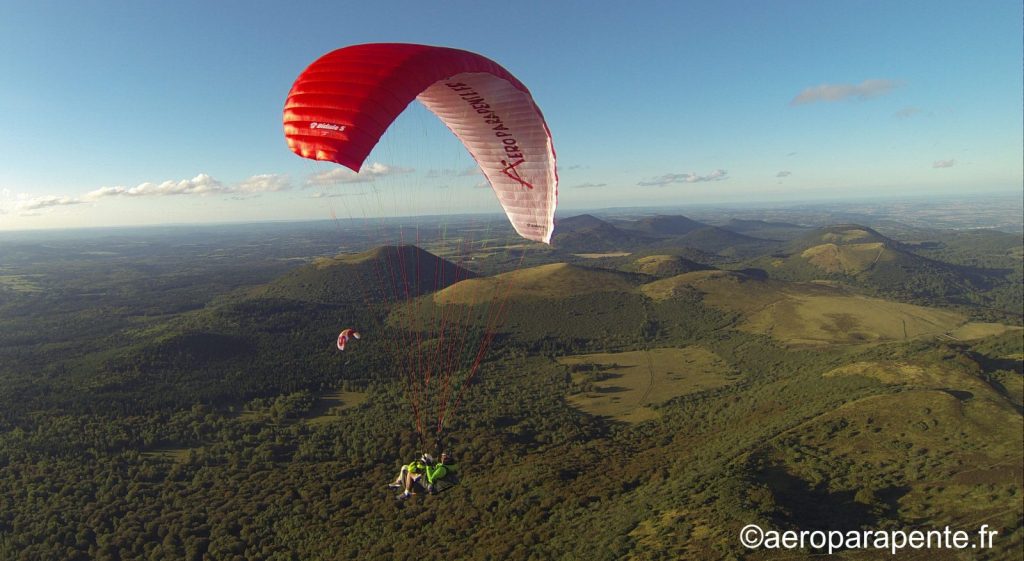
{"x":123,"y":113}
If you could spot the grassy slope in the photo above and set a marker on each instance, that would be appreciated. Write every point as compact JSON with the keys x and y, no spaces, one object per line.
{"x":624,"y":386}
{"x":816,"y":313}
{"x":863,"y":258}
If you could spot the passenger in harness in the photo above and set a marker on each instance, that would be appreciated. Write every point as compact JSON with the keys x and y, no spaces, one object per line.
{"x":427,"y":474}
{"x":410,"y":474}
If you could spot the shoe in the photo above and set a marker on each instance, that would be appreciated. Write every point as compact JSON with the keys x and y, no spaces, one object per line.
{"x":403,"y":496}
{"x":394,"y":485}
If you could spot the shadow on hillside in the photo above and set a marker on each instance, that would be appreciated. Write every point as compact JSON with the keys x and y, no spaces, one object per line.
{"x":610,"y":389}
{"x":805,"y":507}
{"x":989,"y":364}
{"x":756,"y":274}
{"x":959,"y":394}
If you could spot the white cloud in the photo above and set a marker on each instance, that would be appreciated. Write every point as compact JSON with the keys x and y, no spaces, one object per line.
{"x":48,"y":201}
{"x":341,"y":175}
{"x":264,"y":183}
{"x":335,"y":176}
{"x":201,"y":184}
{"x":105,"y":192}
{"x":27,"y":205}
{"x":938,"y":164}
{"x":673,"y":178}
{"x":784,"y":173}
{"x":839,"y":92}
{"x":589,"y":185}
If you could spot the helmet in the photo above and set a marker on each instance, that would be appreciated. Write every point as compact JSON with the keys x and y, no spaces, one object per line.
{"x":427,"y":458}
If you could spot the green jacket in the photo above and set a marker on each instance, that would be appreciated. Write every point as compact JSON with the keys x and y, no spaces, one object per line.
{"x":416,"y":466}
{"x":437,"y":472}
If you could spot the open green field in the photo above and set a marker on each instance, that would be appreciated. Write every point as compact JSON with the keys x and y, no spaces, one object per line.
{"x":170,"y":454}
{"x":931,"y":455}
{"x":600,"y":255}
{"x":330,"y":406}
{"x":556,"y":280}
{"x":800,"y":318}
{"x":624,"y":386}
{"x":19,"y":283}
{"x":980,"y":330}
{"x":848,"y":259}
{"x":811,"y":314}
{"x":661,"y":265}
{"x":920,"y":375}
{"x":327,"y":408}
{"x":850,"y":235}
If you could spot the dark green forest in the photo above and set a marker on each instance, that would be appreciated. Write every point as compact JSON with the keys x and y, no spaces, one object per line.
{"x":176,"y":394}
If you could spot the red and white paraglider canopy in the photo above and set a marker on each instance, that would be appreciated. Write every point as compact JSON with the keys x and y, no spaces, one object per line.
{"x":340,"y":106}
{"x":344,"y":336}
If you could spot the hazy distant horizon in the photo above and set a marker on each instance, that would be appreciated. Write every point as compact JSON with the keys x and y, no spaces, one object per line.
{"x":997,"y":201}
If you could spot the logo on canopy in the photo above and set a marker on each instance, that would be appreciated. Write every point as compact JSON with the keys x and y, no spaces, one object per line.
{"x":327,"y":126}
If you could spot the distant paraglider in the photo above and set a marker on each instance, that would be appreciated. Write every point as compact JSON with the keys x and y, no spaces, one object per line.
{"x":345,"y":335}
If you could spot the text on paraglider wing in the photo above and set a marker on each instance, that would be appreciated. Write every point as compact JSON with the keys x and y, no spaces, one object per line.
{"x":327,"y":126}
{"x":509,"y":143}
